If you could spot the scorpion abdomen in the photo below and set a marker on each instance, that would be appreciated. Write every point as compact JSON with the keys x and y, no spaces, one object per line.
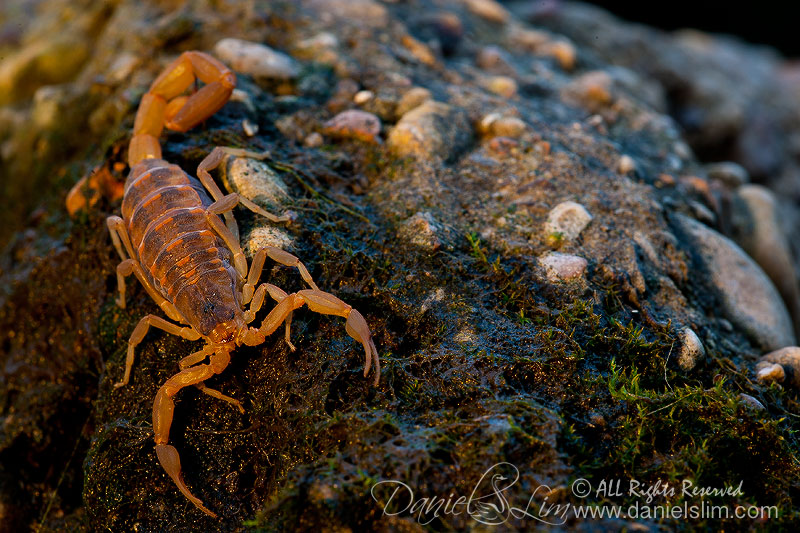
{"x":164,"y":210}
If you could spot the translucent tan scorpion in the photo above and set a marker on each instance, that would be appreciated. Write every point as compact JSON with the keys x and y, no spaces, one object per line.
{"x":171,"y":237}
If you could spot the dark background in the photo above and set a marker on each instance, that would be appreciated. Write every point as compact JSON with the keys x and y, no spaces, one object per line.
{"x":773,"y":23}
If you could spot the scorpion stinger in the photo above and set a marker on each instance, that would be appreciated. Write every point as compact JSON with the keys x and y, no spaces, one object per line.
{"x":171,"y":237}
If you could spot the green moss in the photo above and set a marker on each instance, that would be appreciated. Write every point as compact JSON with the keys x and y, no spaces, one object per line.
{"x":637,"y":416}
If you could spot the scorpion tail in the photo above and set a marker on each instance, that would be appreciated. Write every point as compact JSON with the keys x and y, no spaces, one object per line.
{"x":164,"y":104}
{"x":171,"y":461}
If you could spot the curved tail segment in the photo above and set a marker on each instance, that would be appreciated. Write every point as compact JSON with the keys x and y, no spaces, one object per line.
{"x":164,"y":104}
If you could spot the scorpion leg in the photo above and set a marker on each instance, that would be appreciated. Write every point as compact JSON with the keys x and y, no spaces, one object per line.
{"x":196,"y":357}
{"x":141,"y":330}
{"x":116,"y":226}
{"x":231,"y":241}
{"x":278,"y":295}
{"x":118,"y":231}
{"x":212,"y":161}
{"x":326,"y":304}
{"x":163,"y":409}
{"x":279,"y":256}
{"x":130,"y":266}
{"x":218,"y":395}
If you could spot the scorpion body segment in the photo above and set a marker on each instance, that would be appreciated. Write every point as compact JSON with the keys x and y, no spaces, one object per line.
{"x":182,"y":257}
{"x":171,"y":237}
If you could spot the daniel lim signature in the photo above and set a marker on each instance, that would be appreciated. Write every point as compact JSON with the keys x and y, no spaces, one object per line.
{"x":489,"y":503}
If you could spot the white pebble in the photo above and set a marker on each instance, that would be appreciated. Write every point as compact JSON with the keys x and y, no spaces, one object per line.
{"x":626,"y":164}
{"x":256,"y":59}
{"x":362,"y":97}
{"x":250,"y":129}
{"x":256,"y":181}
{"x":692,"y":349}
{"x":563,"y":267}
{"x":769,"y":372}
{"x":567,"y":220}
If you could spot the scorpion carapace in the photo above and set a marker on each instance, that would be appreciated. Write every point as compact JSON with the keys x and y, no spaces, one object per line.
{"x":171,"y":237}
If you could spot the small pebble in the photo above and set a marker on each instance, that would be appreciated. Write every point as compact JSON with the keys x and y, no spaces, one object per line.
{"x":319,"y":41}
{"x":254,"y":180}
{"x":503,"y":86}
{"x":256,"y":59}
{"x":496,"y":125}
{"x":682,"y":150}
{"x":414,"y":97}
{"x":529,"y":40}
{"x":666,"y":180}
{"x":751,"y":402}
{"x":567,"y":220}
{"x":239,"y":95}
{"x":422,"y":230}
{"x":363,"y":12}
{"x":702,"y":213}
{"x":503,"y":145}
{"x":780,"y":366}
{"x":563,"y":51}
{"x":729,"y":173}
{"x":646,"y":247}
{"x":491,"y":57}
{"x":431,"y":130}
{"x":770,"y":372}
{"x":692,"y":350}
{"x":267,"y":235}
{"x":354,"y":124}
{"x":122,"y":67}
{"x":563,"y":267}
{"x":542,"y":147}
{"x":419,"y":50}
{"x":745,"y":295}
{"x":696,"y":185}
{"x":250,"y":128}
{"x":626,"y":164}
{"x":757,"y":220}
{"x":488,"y":10}
{"x":362,"y":97}
{"x":591,"y":91}
{"x":313,"y":140}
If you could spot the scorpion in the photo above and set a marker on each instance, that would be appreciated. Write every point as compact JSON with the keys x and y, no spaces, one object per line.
{"x":172,"y":239}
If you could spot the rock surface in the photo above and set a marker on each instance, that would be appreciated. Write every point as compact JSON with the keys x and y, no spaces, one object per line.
{"x":439,"y":237}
